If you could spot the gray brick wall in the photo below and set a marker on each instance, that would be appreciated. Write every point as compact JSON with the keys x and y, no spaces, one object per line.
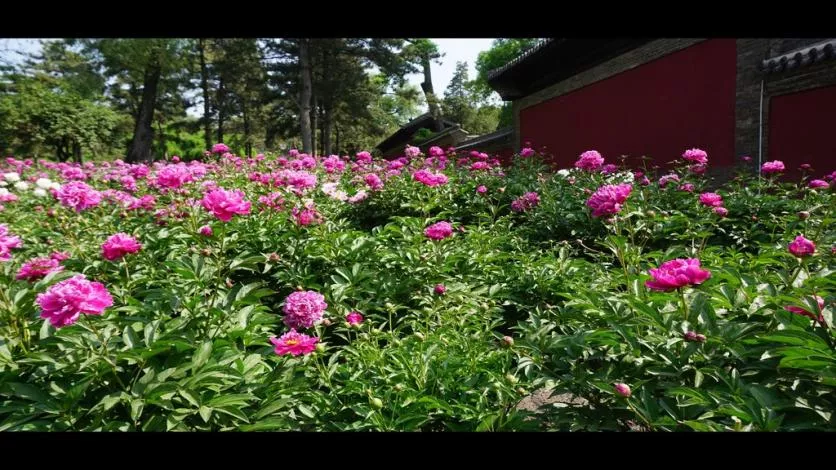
{"x":750,"y":54}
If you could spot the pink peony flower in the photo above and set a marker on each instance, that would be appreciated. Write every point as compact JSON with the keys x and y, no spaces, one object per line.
{"x":436,"y":152}
{"x":354,"y":318}
{"x":430,"y":179}
{"x":78,"y":196}
{"x":608,"y":169}
{"x":373,"y":182}
{"x":818,"y":184}
{"x":412,"y":152}
{"x":37,"y":268}
{"x":440,"y":289}
{"x":439,"y":231}
{"x":481,"y":189}
{"x":64,"y":302}
{"x":721,"y":211}
{"x":746,"y":158}
{"x":711,"y":199}
{"x":696,"y":155}
{"x":801,"y":311}
{"x":694,"y":337}
{"x":687,"y":187}
{"x":663,"y":181}
{"x":590,"y":160}
{"x":527,"y":152}
{"x":623,"y":390}
{"x":698,"y":169}
{"x":525,"y":202}
{"x":608,"y":199}
{"x":294,"y":343}
{"x":119,"y":245}
{"x":775,"y":166}
{"x":60,"y":256}
{"x":220,"y":149}
{"x":173,"y":176}
{"x":306,"y":216}
{"x":303,"y":309}
{"x":802,"y":247}
{"x":677,"y":273}
{"x":224,"y":204}
{"x":364,"y":157}
{"x":7,"y":242}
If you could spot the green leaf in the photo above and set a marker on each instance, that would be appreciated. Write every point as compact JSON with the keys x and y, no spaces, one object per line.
{"x":129,"y":337}
{"x":202,"y":355}
{"x":306,"y":411}
{"x":205,"y":413}
{"x":137,"y":405}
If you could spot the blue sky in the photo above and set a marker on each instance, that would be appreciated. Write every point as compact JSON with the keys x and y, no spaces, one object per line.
{"x":454,"y":50}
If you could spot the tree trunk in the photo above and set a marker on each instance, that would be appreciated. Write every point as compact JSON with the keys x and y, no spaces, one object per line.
{"x":76,"y":152}
{"x":432,"y":100}
{"x":248,"y":146}
{"x":204,"y":84}
{"x":327,"y":124}
{"x":315,"y":123}
{"x":337,"y":139}
{"x":143,"y":139}
{"x":305,"y":97}
{"x":221,"y":105}
{"x":161,"y":135}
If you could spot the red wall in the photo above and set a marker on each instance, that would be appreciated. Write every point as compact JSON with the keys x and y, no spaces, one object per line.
{"x":659,"y":109}
{"x":801,"y":130}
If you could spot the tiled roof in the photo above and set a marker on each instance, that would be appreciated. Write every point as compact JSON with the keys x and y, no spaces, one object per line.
{"x":486,"y":138}
{"x":825,"y":50}
{"x":528,"y":52}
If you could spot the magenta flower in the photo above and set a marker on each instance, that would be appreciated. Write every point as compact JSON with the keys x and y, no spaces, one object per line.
{"x":224,"y":204}
{"x":430,"y":179}
{"x":623,"y":390}
{"x":436,"y":151}
{"x":38,"y":268}
{"x":527,"y":152}
{"x":775,"y":166}
{"x":439,"y":230}
{"x":590,"y":160}
{"x":677,"y":273}
{"x":815,"y":184}
{"x":698,"y":169}
{"x":482,"y":189}
{"x":63,"y":303}
{"x":440,"y":289}
{"x":373,"y":182}
{"x":525,"y":202}
{"x":801,"y":311}
{"x":802,"y":247}
{"x":173,"y":176}
{"x":412,"y":152}
{"x":303,"y":309}
{"x":354,"y":318}
{"x":7,"y":242}
{"x":294,"y":343}
{"x":687,"y":187}
{"x":694,"y":337}
{"x":721,"y":211}
{"x":60,"y":256}
{"x":119,"y":245}
{"x":306,"y":216}
{"x":364,"y":157}
{"x":696,"y":155}
{"x":609,"y":169}
{"x":663,"y":181}
{"x":206,"y":231}
{"x":608,"y":199}
{"x":711,"y":199}
{"x":220,"y":149}
{"x":78,"y":196}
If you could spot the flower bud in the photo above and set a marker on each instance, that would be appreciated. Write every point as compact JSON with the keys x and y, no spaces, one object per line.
{"x":326,"y":322}
{"x":803,"y":215}
{"x":419,"y":335}
{"x":623,"y":390}
{"x":399,"y":387}
{"x":320,"y":347}
{"x":507,"y":341}
{"x":511,"y":378}
{"x":274,"y":257}
{"x":376,"y":403}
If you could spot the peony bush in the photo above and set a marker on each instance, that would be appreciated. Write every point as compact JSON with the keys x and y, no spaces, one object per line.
{"x":429,"y":292}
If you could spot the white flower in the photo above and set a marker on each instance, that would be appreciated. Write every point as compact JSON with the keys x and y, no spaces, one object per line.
{"x":564,"y":173}
{"x":3,"y":183}
{"x":55,"y":186}
{"x":43,"y":183}
{"x":11,"y":177}
{"x":21,"y":185}
{"x":4,"y":192}
{"x":40,"y":192}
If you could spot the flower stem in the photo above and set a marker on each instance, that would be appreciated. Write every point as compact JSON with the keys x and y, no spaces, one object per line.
{"x":684,"y":303}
